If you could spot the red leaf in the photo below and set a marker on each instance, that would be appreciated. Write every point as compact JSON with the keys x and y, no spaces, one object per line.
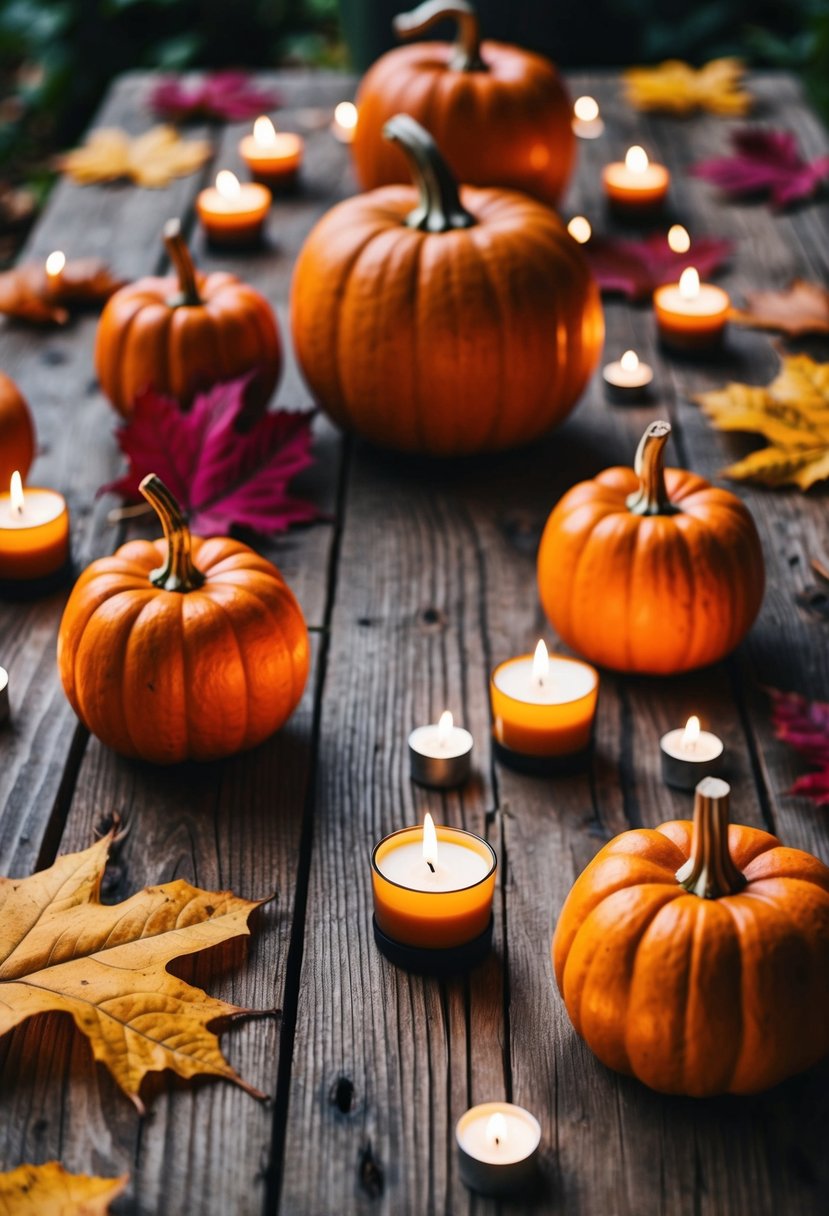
{"x":221,"y":477}
{"x":804,"y":725}
{"x":223,"y":95}
{"x":765,"y":162}
{"x":636,"y":268}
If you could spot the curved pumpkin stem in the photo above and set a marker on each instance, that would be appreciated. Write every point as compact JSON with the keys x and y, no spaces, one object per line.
{"x":467,"y":54}
{"x":652,"y":497}
{"x":710,"y":871}
{"x":179,"y":254}
{"x":178,"y":572}
{"x":439,"y":207}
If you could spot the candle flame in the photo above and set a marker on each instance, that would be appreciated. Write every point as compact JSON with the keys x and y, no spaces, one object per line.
{"x":541,"y":663}
{"x":227,"y":184}
{"x":445,"y":724}
{"x":496,"y":1129}
{"x":636,"y":159}
{"x":690,"y":735}
{"x":689,"y":283}
{"x":629,"y":361}
{"x":345,"y":115}
{"x":16,"y":493}
{"x":55,"y":263}
{"x":264,"y":132}
{"x":678,"y":239}
{"x":586,"y":109}
{"x":430,"y":842}
{"x":579,"y":229}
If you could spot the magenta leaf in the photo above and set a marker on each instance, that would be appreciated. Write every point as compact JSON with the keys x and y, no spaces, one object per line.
{"x":766,"y":163}
{"x":226,"y":96}
{"x":804,"y":725}
{"x":636,"y":268}
{"x":223,"y":478}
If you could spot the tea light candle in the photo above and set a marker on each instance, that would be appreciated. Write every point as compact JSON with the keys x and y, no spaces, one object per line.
{"x":440,"y":754}
{"x":543,"y":706}
{"x":587,"y":123}
{"x":433,"y":889}
{"x":689,"y":755}
{"x":34,"y":538}
{"x":272,"y":156}
{"x":4,"y":696}
{"x":345,"y":122}
{"x":233,"y":212}
{"x":691,"y":315}
{"x":637,"y":186}
{"x":498,"y":1148}
{"x":627,"y":379}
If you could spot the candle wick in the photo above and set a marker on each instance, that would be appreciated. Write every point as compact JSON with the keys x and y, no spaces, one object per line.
{"x":497,"y":1140}
{"x":431,"y":867}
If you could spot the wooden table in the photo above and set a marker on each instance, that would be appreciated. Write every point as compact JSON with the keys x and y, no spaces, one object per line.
{"x":421,"y":578}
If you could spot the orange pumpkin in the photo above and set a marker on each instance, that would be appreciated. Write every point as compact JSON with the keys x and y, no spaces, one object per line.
{"x":500,"y":115}
{"x":184,"y":333}
{"x":696,"y":956}
{"x":17,"y":432}
{"x":199,"y":657}
{"x":470,"y":323}
{"x":653,"y":570}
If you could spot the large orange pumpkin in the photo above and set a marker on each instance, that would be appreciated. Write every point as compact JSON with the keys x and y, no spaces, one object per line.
{"x":199,"y":657}
{"x":500,"y":115}
{"x":653,"y":570}
{"x":17,"y":432}
{"x":184,"y":333}
{"x":696,"y":957}
{"x":444,"y":324}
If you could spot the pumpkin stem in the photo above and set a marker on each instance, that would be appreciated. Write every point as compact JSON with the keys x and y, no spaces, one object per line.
{"x":179,"y":254}
{"x":710,"y":871}
{"x":652,"y":497}
{"x":439,"y":206}
{"x":467,"y":52}
{"x":178,"y":572}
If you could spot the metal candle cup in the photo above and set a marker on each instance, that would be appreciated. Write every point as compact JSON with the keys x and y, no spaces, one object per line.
{"x":498,"y":1148}
{"x":689,"y":754}
{"x":440,"y":754}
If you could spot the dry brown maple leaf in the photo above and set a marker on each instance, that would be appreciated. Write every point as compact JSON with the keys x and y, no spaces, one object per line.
{"x":27,"y":292}
{"x":678,"y":88}
{"x":152,"y":159}
{"x":48,"y":1190}
{"x":792,"y":413}
{"x":62,"y":950}
{"x":803,"y":308}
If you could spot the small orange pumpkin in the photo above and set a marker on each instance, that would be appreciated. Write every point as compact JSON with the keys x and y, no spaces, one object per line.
{"x":17,"y":432}
{"x":500,"y":114}
{"x":199,"y":657}
{"x":470,"y":323}
{"x":696,"y":956}
{"x":182,"y":334}
{"x":653,"y":570}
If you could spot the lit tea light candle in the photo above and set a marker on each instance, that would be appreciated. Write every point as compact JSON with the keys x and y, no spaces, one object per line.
{"x":678,"y":239}
{"x":440,"y":754}
{"x":689,"y":755}
{"x":498,"y":1148}
{"x":233,"y":212}
{"x":587,"y":123}
{"x":345,"y":122}
{"x":34,"y":539}
{"x":691,"y":315}
{"x":627,"y":379}
{"x":4,"y":696}
{"x":579,"y":229}
{"x":635,"y":187}
{"x":433,"y":889}
{"x":272,"y":156}
{"x":542,"y":707}
{"x":54,"y":269}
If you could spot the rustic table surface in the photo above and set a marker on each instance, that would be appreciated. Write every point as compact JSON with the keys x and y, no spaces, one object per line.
{"x":418,"y":581}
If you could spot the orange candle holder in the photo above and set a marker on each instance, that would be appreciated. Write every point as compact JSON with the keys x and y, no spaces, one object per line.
{"x":691,"y":316}
{"x":272,"y":157}
{"x":233,"y":213}
{"x":635,"y":188}
{"x":433,"y":917}
{"x":35,"y":555}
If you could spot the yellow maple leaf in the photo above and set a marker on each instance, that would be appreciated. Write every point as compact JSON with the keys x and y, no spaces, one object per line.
{"x":48,"y":1190}
{"x":62,"y":950}
{"x":792,"y":413}
{"x":152,"y":159}
{"x":678,"y":88}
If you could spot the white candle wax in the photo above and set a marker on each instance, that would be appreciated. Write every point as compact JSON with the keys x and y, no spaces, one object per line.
{"x":457,"y":867}
{"x":703,"y":750}
{"x":497,"y":1147}
{"x":429,"y":741}
{"x":652,"y":177}
{"x":39,"y":507}
{"x":567,"y":680}
{"x":708,"y":301}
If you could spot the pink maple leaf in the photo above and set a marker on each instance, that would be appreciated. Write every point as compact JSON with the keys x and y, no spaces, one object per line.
{"x":223,"y":478}
{"x":765,"y":162}
{"x":227,"y":96}
{"x":636,"y":268}
{"x":804,"y":725}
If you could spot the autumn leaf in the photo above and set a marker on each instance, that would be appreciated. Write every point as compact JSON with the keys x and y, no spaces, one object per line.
{"x":228,"y":96}
{"x":29,"y":294}
{"x":678,"y":88}
{"x":152,"y":159}
{"x":792,"y":412}
{"x":220,"y":476}
{"x":765,"y":163}
{"x":48,"y":1190}
{"x":62,"y":950}
{"x":636,"y":268}
{"x":804,"y":725}
{"x":803,"y":308}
